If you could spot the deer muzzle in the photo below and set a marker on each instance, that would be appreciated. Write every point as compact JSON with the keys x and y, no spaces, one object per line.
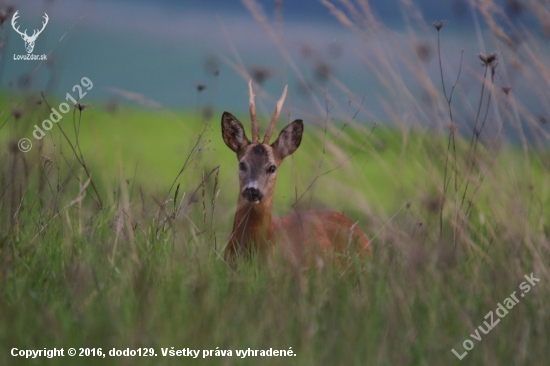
{"x":252,"y":195}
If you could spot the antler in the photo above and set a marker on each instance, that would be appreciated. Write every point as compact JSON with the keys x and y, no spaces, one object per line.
{"x":275,"y":117}
{"x":35,"y":34}
{"x":253,"y":117}
{"x":15,"y":16}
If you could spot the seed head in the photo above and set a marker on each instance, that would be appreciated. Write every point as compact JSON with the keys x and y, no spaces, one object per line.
{"x":3,"y":17}
{"x":488,"y":60}
{"x":17,"y":113}
{"x":423,"y":51}
{"x":260,"y":74}
{"x":440,"y":24}
{"x":322,"y":71}
{"x":47,"y":160}
{"x":81,"y":106}
{"x":5,"y":12}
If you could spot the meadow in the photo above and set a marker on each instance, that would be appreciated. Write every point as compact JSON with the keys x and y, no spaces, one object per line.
{"x":112,"y":230}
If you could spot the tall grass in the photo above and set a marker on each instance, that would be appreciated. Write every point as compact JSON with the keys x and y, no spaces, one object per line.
{"x":95,"y":255}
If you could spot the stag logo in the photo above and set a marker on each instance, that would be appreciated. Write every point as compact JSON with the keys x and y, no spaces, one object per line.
{"x":29,"y":40}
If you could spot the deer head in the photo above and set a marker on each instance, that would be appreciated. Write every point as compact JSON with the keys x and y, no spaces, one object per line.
{"x":258,"y":162}
{"x":29,"y":40}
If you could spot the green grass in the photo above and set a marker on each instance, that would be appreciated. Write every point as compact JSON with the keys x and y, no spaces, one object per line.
{"x":454,"y":228}
{"x":116,"y":277}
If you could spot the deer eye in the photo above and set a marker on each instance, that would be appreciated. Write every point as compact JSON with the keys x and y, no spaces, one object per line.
{"x":271,"y":169}
{"x":242,"y":166}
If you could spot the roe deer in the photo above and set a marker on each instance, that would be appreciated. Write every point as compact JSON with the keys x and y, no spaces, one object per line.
{"x":254,"y":229}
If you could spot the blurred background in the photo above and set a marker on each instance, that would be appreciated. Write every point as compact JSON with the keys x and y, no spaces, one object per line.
{"x":160,"y":53}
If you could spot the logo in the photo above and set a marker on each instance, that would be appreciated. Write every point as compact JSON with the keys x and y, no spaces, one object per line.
{"x":29,"y":40}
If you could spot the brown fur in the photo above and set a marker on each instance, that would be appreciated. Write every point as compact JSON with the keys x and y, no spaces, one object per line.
{"x":299,"y":235}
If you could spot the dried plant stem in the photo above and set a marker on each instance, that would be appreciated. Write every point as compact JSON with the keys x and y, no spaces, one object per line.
{"x":474,"y":140}
{"x":199,"y":144}
{"x":79,"y":157}
{"x":475,"y":132}
{"x":203,"y":202}
{"x":215,"y":193}
{"x":451,"y":140}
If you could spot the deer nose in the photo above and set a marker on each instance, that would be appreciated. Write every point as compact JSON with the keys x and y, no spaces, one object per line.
{"x":251,"y":194}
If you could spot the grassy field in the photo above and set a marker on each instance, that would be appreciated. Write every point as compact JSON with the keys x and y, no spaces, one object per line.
{"x":140,"y":272}
{"x":112,"y":227}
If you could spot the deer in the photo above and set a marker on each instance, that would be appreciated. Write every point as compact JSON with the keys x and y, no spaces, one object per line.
{"x":255,"y":231}
{"x":29,"y":40}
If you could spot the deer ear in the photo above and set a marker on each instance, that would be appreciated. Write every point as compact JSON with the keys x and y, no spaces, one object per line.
{"x":233,"y":133}
{"x":289,"y":139}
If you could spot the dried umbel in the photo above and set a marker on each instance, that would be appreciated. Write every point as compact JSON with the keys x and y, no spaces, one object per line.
{"x":440,"y":24}
{"x":488,"y":59}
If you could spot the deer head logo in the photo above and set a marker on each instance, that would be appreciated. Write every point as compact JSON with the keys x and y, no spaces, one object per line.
{"x":29,"y":40}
